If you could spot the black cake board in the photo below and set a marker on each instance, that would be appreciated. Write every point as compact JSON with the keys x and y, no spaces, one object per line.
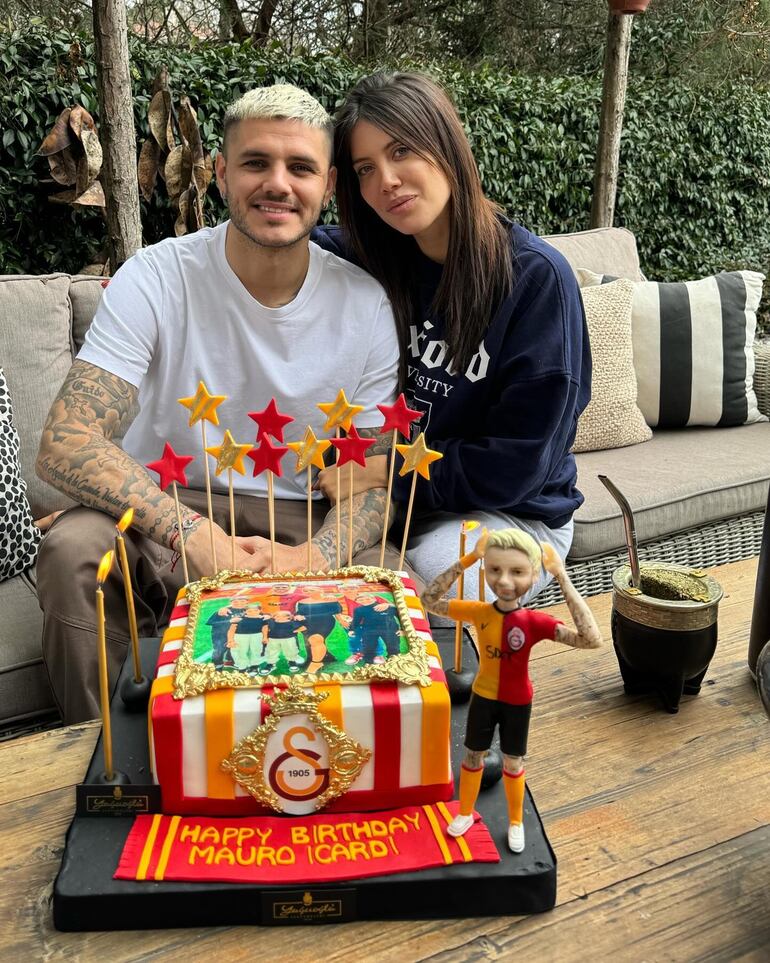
{"x":86,"y":897}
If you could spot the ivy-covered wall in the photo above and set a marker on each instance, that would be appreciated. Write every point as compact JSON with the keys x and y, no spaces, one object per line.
{"x":695,"y":164}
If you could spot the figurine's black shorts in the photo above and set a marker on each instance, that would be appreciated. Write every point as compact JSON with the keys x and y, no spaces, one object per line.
{"x":485,"y":714}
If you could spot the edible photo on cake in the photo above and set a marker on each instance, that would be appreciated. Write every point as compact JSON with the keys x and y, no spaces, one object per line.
{"x":350,"y":626}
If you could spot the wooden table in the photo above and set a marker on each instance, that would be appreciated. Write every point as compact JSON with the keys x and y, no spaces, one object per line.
{"x":661,"y":825}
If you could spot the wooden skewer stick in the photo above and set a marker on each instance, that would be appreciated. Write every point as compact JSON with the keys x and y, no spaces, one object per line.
{"x":339,"y":516}
{"x":407,"y":521}
{"x":182,"y":550}
{"x":232,"y":518}
{"x":209,"y":506}
{"x":350,"y":517}
{"x":460,"y":594}
{"x":310,"y":518}
{"x":271,"y":517}
{"x":387,"y":497}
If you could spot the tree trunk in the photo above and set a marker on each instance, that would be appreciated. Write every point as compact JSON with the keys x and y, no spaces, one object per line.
{"x":264,"y":21}
{"x":232,"y":12}
{"x":611,"y":123}
{"x":118,"y":136}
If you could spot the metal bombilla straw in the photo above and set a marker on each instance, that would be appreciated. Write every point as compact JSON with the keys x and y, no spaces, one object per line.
{"x":628,"y":524}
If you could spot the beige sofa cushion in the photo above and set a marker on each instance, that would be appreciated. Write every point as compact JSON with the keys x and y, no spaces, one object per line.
{"x":605,"y":250}
{"x":676,"y":481}
{"x":612,"y":418}
{"x":36,"y":351}
{"x":85,"y":294}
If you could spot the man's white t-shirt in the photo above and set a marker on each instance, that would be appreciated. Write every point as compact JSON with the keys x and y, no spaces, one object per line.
{"x":176,"y":314}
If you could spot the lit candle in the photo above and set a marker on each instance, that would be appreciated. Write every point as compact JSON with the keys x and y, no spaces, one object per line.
{"x":103,"y":571}
{"x":121,"y":527}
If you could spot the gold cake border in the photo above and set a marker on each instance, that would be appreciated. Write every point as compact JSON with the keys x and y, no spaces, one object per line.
{"x":192,"y":678}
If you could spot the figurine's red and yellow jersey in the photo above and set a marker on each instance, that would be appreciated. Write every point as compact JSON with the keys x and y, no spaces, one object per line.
{"x":505,"y":640}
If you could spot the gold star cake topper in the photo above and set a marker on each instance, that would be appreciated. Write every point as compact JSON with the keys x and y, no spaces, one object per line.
{"x":339,"y":413}
{"x":203,"y":405}
{"x":417,"y":457}
{"x":229,"y":454}
{"x":310,"y":450}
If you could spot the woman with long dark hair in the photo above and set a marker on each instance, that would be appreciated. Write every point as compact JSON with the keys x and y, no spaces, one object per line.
{"x":494,"y":345}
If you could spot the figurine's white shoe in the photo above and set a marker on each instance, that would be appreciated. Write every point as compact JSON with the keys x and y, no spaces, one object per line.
{"x":516,"y":837}
{"x":460,"y":825}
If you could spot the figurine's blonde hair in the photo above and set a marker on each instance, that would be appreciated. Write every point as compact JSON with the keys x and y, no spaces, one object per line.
{"x":279,"y":102}
{"x":514,"y":538}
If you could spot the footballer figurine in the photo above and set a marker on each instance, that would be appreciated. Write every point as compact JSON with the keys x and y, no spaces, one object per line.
{"x":502,"y":690}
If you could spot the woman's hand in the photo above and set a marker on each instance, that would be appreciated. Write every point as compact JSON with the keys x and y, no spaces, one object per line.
{"x":45,"y":523}
{"x":375,"y":475}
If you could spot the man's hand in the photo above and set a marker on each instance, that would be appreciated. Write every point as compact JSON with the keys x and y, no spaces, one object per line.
{"x":198,"y":551}
{"x":288,"y":558}
{"x":375,"y":475}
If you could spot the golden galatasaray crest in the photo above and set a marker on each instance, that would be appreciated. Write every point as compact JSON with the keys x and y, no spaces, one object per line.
{"x":297,"y":760}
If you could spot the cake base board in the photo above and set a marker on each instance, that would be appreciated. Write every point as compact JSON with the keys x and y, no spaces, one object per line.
{"x":86,"y":897}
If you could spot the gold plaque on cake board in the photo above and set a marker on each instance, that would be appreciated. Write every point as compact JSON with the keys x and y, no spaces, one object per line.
{"x":194,"y":674}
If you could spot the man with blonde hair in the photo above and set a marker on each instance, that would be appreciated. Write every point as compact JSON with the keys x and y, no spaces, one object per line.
{"x":502,"y":690}
{"x":255,"y":311}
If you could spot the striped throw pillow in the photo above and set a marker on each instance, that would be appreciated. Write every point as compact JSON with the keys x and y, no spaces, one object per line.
{"x":694,"y":348}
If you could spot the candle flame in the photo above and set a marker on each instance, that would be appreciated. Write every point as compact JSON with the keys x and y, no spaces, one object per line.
{"x":104,"y":567}
{"x":125,"y":521}
{"x":468,"y":526}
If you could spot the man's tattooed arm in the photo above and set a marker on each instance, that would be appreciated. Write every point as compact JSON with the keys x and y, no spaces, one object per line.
{"x":433,"y":596}
{"x":368,"y":519}
{"x":78,"y":456}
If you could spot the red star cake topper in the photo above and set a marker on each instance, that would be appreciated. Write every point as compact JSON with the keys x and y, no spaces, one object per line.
{"x":398,"y":417}
{"x":267,"y":456}
{"x":270,"y":421}
{"x":171,"y":467}
{"x":352,"y":447}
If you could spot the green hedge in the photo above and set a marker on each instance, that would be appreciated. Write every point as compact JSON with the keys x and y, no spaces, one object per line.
{"x":695,"y":164}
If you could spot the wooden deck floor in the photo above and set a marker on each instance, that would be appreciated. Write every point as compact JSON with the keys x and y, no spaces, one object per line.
{"x":660,"y":823}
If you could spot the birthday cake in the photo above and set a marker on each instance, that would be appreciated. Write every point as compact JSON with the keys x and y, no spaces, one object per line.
{"x":295,"y":693}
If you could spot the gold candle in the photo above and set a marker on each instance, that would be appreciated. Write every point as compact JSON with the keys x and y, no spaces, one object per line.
{"x":121,"y":526}
{"x":104,"y":567}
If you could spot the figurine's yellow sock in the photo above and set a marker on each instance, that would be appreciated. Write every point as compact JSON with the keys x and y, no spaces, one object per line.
{"x":470,"y":783}
{"x":514,"y":793}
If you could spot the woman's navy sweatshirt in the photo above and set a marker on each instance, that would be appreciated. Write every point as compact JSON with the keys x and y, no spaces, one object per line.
{"x":505,"y":425}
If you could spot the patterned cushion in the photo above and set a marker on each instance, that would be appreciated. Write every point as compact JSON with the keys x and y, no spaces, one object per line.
{"x":693,"y":349}
{"x":612,"y":418}
{"x":19,"y":536}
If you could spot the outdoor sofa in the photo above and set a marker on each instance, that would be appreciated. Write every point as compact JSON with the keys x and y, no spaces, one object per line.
{"x":698,"y":494}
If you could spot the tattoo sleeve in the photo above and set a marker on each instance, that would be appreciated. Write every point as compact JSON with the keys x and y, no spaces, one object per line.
{"x":78,"y":456}
{"x":382,"y":443}
{"x":432,"y":599}
{"x":368,"y":518}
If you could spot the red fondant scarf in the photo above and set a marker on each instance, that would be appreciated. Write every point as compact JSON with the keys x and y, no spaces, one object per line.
{"x":300,"y":849}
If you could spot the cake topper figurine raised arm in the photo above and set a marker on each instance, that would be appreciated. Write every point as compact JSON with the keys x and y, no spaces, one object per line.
{"x":506,"y":632}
